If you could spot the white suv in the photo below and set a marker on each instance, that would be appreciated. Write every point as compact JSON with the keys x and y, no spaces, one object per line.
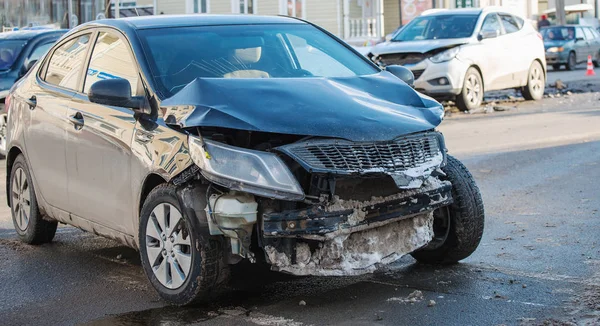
{"x":459,"y":54}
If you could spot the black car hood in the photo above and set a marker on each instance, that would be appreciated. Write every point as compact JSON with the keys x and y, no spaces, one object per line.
{"x":366,"y":108}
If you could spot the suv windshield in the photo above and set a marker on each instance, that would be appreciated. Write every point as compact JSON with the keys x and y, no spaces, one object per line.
{"x":558,"y":33}
{"x":9,"y":52}
{"x":246,"y":51}
{"x":438,"y":27}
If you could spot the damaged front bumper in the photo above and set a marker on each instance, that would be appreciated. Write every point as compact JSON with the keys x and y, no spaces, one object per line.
{"x":340,"y":217}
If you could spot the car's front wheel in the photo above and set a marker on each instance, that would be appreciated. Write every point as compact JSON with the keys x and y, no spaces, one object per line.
{"x":181,"y":266}
{"x":596,"y":60}
{"x":457,"y":228}
{"x":572,"y":61}
{"x":536,"y":82}
{"x":29,"y":223}
{"x":471,"y":96}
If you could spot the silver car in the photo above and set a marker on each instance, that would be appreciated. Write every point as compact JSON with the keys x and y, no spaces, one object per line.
{"x":459,"y":54}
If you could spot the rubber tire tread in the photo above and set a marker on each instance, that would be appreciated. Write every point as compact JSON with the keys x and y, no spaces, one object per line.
{"x":467,"y":218}
{"x":204,"y":274}
{"x":39,"y":230}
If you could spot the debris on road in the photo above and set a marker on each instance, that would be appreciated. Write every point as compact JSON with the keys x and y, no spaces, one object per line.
{"x":302,"y":303}
{"x":431,"y":303}
{"x":504,"y":239}
{"x":415,"y":296}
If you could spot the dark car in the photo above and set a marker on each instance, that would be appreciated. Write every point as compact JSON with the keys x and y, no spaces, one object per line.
{"x":18,"y":52}
{"x":570,"y":45}
{"x":205,"y":141}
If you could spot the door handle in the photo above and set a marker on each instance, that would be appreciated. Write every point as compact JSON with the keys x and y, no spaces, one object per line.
{"x":77,"y":120}
{"x":32,"y":102}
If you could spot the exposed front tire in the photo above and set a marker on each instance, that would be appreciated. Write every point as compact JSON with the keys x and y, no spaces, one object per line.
{"x":572,"y":61}
{"x":27,"y":219}
{"x":181,"y":265}
{"x":471,"y":96}
{"x":458,"y":228}
{"x":536,"y":82}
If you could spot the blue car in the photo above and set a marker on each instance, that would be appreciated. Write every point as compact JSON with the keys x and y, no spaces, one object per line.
{"x":570,"y":45}
{"x":19,"y":51}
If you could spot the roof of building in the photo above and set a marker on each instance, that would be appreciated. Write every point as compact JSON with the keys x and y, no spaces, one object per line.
{"x":164,"y":21}
{"x":29,"y":34}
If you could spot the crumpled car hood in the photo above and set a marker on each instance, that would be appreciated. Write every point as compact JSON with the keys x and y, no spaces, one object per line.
{"x":377,"y":107}
{"x":423,"y":46}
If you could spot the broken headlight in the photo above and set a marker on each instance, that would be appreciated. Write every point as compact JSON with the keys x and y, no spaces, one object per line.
{"x":446,"y":55}
{"x":260,"y":173}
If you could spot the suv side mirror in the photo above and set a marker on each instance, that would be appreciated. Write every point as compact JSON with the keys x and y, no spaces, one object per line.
{"x":114,"y":92}
{"x":25,"y":69}
{"x":403,"y":73}
{"x":487,"y":34}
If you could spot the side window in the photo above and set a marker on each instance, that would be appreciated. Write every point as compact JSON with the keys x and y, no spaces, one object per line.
{"x":66,"y":62}
{"x":111,"y":58}
{"x":588,"y":34}
{"x":579,"y":33}
{"x":491,"y":23}
{"x":39,"y":51}
{"x":595,"y":33}
{"x":509,"y":23}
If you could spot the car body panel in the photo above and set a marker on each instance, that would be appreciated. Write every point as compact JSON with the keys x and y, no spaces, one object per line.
{"x":366,"y":108}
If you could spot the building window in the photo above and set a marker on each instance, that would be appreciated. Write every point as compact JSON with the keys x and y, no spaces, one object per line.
{"x":243,"y":7}
{"x":292,"y":8}
{"x":197,"y":6}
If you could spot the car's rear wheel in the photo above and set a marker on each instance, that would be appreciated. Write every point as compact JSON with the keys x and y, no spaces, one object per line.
{"x":536,"y":82}
{"x":458,"y":228}
{"x":29,"y":223}
{"x":556,"y":67}
{"x":181,"y":267}
{"x":572,"y":61}
{"x":596,"y":60}
{"x":472,"y":93}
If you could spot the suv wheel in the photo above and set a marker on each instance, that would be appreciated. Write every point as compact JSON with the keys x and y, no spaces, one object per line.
{"x":572,"y":61}
{"x":457,"y":228}
{"x":181,"y":266}
{"x":536,"y":81}
{"x":29,"y":223}
{"x":472,"y":93}
{"x":596,"y":60}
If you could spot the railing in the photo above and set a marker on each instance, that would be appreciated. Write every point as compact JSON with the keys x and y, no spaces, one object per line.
{"x":362,"y":28}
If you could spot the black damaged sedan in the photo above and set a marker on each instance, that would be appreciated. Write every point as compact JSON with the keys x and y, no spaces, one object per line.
{"x":204,"y":141}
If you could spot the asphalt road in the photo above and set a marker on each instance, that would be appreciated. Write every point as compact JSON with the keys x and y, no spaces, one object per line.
{"x":538,"y":167}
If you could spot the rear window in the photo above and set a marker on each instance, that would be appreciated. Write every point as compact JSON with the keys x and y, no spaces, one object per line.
{"x":9,"y":52}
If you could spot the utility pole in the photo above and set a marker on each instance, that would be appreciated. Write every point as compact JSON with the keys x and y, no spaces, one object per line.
{"x":561,"y":18}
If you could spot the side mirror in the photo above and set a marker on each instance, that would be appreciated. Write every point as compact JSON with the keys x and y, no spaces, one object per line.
{"x":27,"y":67}
{"x":487,"y":34}
{"x":403,"y":73}
{"x":114,"y":92}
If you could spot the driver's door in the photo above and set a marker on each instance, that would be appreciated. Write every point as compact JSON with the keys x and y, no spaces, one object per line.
{"x":493,"y":67}
{"x":99,"y":141}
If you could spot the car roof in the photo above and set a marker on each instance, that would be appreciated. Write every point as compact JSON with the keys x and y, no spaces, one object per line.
{"x":30,"y":34}
{"x":165,"y":21}
{"x":471,"y":11}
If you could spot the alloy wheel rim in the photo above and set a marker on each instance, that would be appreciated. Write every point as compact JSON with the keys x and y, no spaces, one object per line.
{"x":473,"y":90}
{"x":21,"y":199}
{"x":572,"y":62}
{"x":537,"y":80}
{"x":168,"y":246}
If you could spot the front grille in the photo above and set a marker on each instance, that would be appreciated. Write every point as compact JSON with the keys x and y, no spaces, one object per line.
{"x":345,"y":157}
{"x":418,"y":73}
{"x":401,"y":58}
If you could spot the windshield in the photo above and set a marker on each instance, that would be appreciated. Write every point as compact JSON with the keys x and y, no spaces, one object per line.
{"x":558,"y":33}
{"x":438,"y":27}
{"x":246,"y":51}
{"x":9,"y":52}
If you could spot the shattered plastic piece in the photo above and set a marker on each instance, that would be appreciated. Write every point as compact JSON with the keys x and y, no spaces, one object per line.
{"x":302,"y":303}
{"x":431,"y":303}
{"x":415,"y":296}
{"x":357,"y":253}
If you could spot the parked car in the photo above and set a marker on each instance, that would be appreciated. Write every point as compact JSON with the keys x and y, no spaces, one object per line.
{"x":264,"y":139}
{"x":19,"y":51}
{"x":569,"y":45}
{"x":460,"y":54}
